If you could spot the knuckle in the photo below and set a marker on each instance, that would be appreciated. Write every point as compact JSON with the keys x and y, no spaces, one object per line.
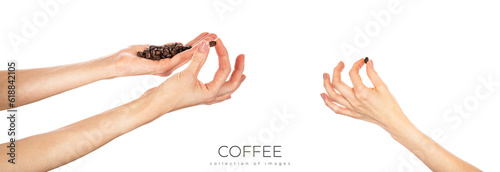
{"x":226,"y":97}
{"x":326,"y":83}
{"x":337,"y":71}
{"x":198,"y":58}
{"x":335,"y":81}
{"x":355,"y":104}
{"x":225,"y":68}
{"x":383,"y":86}
{"x":210,"y":99}
{"x":358,"y":89}
{"x":213,"y":94}
{"x":336,"y":109}
{"x":336,"y":97}
{"x":327,"y":102}
{"x":233,"y":85}
{"x":361,"y":95}
{"x":352,"y":72}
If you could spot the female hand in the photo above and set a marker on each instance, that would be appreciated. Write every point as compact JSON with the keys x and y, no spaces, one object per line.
{"x":378,"y":106}
{"x":375,"y":105}
{"x":127,"y":63}
{"x":184,"y":89}
{"x":179,"y":91}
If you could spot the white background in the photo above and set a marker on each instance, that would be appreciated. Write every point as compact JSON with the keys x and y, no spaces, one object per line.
{"x":431,"y":54}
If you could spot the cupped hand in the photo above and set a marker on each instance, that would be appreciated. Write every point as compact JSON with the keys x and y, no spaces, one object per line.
{"x":375,"y":105}
{"x":184,"y":89}
{"x":127,"y":63}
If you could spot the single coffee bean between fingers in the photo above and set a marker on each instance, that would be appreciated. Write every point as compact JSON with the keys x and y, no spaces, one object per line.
{"x":212,"y":43}
{"x":154,"y":52}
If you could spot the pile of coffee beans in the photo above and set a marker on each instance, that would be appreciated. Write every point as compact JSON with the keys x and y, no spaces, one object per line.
{"x":161,"y":52}
{"x":166,"y":51}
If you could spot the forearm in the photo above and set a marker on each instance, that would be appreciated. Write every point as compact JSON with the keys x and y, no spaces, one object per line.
{"x":427,"y":150}
{"x":36,"y":84}
{"x":50,"y":150}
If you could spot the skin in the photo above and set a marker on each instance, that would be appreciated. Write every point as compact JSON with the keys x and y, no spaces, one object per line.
{"x":47,"y":151}
{"x":36,"y":84}
{"x":377,"y":105}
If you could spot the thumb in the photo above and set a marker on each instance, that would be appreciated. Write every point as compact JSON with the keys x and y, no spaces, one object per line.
{"x":199,"y":58}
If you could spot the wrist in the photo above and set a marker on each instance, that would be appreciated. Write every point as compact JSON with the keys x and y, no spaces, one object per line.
{"x":398,"y":126}
{"x":148,"y":107}
{"x":104,"y":67}
{"x":129,"y":116}
{"x":403,"y":131}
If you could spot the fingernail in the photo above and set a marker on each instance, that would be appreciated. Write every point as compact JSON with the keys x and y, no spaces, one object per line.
{"x":322,"y":96}
{"x":203,"y":46}
{"x":370,"y":63}
{"x":324,"y":76}
{"x":243,"y":79}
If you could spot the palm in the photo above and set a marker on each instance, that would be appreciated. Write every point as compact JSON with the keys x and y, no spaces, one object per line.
{"x":129,"y":64}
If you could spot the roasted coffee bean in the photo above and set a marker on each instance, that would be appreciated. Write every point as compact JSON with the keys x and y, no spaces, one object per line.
{"x":212,"y":43}
{"x":140,"y":54}
{"x":366,"y":59}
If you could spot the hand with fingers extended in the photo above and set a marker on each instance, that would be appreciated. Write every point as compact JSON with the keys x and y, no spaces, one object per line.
{"x":127,"y":63}
{"x":375,"y":105}
{"x":184,"y":89}
{"x":378,"y":106}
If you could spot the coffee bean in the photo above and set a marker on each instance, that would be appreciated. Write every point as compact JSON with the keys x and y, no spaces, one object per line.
{"x":157,"y":52}
{"x":212,"y":43}
{"x":366,"y":59}
{"x":140,"y":54}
